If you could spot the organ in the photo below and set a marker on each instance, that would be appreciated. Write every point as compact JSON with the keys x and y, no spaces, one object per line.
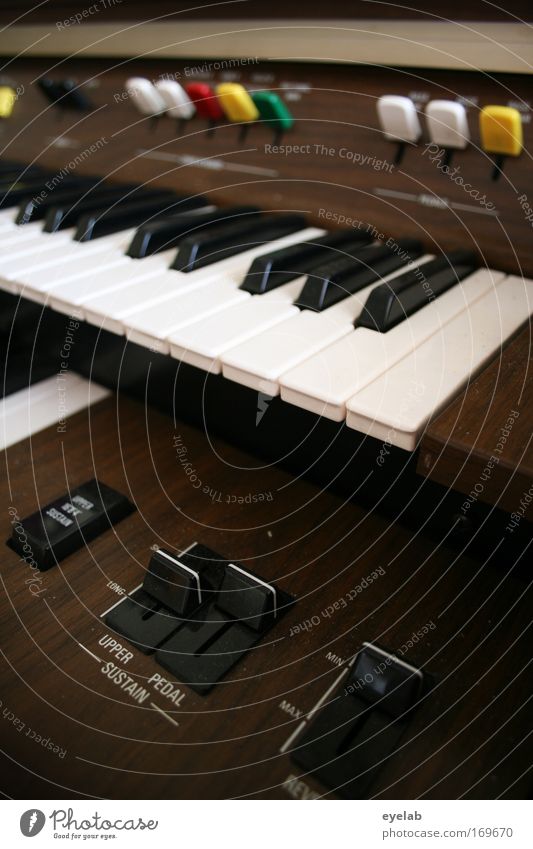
{"x":269,"y":285}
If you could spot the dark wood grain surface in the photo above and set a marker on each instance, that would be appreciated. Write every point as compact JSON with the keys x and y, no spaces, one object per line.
{"x":467,"y":738}
{"x":339,"y":163}
{"x":481,"y":444}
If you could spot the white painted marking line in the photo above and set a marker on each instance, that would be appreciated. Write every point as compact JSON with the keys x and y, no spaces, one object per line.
{"x":89,"y":652}
{"x":293,"y":736}
{"x":326,"y":694}
{"x":116,"y":604}
{"x":313,"y":710}
{"x":170,"y":719}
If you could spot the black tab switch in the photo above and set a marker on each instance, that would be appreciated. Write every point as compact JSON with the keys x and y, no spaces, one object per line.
{"x":175,"y":587}
{"x":247,"y":598}
{"x":173,"y":583}
{"x":390,"y":684}
{"x":362,"y":724}
{"x":69,"y":522}
{"x":223,"y":630}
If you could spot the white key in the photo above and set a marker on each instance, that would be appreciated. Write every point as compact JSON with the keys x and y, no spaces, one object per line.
{"x":71,"y":297}
{"x":39,"y":285}
{"x":398,"y":405}
{"x":7,"y":217}
{"x":28,"y":233}
{"x":151,"y":327}
{"x":261,"y":360}
{"x":201,"y":344}
{"x":36,"y":407}
{"x":113,"y":313}
{"x":63,"y":266}
{"x":109,"y":310}
{"x":323,"y":383}
{"x":22,"y":246}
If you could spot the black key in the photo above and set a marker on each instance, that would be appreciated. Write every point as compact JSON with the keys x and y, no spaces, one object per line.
{"x":66,"y":215}
{"x":168,"y":232}
{"x":220,"y":242}
{"x":69,"y":191}
{"x":7,"y":166}
{"x":14,"y":174}
{"x":12,"y":193}
{"x":391,"y":302}
{"x":102,"y":222}
{"x":332,"y":282}
{"x":273,"y":269}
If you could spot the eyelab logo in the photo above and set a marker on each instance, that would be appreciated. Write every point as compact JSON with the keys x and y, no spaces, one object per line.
{"x":32,"y":822}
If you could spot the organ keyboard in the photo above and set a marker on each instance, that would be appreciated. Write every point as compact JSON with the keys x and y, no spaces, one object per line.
{"x":251,"y":304}
{"x":304,"y":338}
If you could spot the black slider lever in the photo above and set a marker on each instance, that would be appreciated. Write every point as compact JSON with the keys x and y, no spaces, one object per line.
{"x":361,"y":725}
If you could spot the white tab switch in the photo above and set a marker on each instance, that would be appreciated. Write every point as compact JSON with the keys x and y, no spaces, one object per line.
{"x":177,"y":101}
{"x":145,"y":96}
{"x":447,"y":124}
{"x":399,"y":118}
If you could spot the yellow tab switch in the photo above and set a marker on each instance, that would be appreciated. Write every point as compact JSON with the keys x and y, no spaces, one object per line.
{"x":501,"y":130}
{"x":236,"y":102}
{"x":7,"y":100}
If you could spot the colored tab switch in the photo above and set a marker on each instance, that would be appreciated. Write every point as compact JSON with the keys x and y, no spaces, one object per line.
{"x":7,"y":100}
{"x":501,"y":130}
{"x":272,"y":109}
{"x":237,"y":103}
{"x":501,"y":133}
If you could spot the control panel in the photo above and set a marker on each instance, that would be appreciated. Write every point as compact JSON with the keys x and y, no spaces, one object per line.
{"x":240,"y":633}
{"x":445,"y":155}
